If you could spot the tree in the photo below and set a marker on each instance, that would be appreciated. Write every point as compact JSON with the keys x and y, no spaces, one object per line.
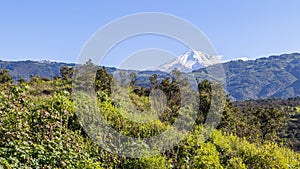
{"x":269,"y":120}
{"x":103,"y":81}
{"x":153,"y":81}
{"x":133,"y":78}
{"x":66,"y":72}
{"x":5,"y":77}
{"x":172,"y":92}
{"x":84,"y":77}
{"x":204,"y":89}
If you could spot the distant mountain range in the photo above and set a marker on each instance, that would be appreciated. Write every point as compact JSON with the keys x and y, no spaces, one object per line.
{"x":25,"y":69}
{"x":274,"y":76}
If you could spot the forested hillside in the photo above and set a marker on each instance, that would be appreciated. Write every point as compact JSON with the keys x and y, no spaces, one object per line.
{"x":290,"y":130}
{"x":40,"y":129}
{"x":273,"y":76}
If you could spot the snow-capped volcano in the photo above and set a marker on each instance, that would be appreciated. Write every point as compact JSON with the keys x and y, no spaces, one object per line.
{"x":191,"y":60}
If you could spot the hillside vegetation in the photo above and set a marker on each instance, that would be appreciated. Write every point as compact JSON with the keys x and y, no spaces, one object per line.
{"x":40,"y":129}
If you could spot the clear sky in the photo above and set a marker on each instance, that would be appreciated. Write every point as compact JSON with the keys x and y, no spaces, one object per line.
{"x":57,"y":30}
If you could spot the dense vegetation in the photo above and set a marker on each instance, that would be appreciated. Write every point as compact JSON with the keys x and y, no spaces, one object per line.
{"x":289,"y":131}
{"x":40,"y":129}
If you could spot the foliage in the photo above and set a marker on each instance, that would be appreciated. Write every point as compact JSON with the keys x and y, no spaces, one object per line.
{"x":66,"y":72}
{"x":41,"y":129}
{"x":5,"y":76}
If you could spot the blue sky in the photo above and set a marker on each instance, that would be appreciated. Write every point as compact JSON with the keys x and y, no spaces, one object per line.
{"x":57,"y":30}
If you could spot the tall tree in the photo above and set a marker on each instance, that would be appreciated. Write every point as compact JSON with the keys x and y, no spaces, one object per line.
{"x":103,"y":81}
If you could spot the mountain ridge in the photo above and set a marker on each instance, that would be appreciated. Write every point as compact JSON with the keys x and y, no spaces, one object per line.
{"x":273,"y":76}
{"x":265,"y":77}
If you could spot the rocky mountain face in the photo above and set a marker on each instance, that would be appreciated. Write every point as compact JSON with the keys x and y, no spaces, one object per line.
{"x":189,"y":61}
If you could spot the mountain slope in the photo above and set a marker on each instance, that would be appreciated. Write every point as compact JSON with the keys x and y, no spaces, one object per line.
{"x":24,"y":69}
{"x":189,"y":61}
{"x":274,"y":76}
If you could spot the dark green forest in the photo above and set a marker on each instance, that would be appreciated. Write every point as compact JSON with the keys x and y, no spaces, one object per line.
{"x":40,"y":128}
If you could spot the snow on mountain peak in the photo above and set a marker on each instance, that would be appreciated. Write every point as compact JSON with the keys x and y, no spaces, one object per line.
{"x":191,"y":60}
